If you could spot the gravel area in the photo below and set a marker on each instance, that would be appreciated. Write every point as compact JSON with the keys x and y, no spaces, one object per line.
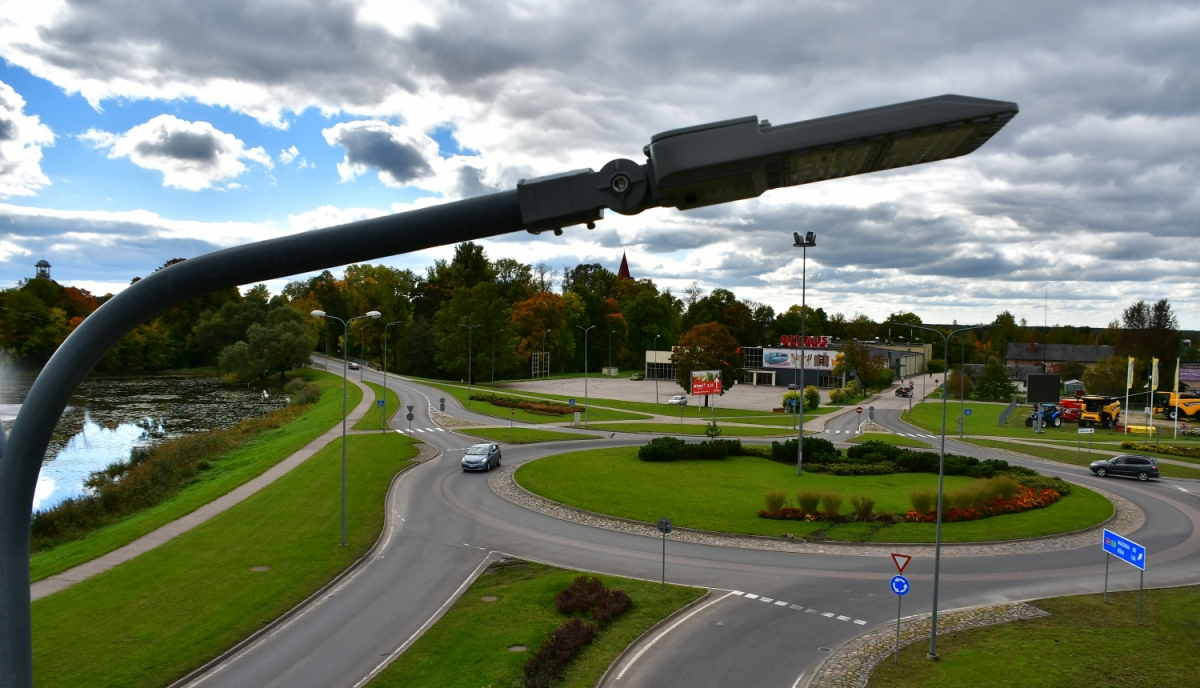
{"x":851,"y":665}
{"x":1126,"y":519}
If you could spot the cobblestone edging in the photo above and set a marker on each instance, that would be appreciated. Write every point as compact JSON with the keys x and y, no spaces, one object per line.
{"x":852,"y":664}
{"x":427,"y":451}
{"x":1126,"y":519}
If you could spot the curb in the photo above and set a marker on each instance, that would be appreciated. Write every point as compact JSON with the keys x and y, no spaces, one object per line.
{"x":669,"y":618}
{"x":265,"y":630}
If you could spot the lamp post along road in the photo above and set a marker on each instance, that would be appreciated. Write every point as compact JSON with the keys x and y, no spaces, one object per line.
{"x":937,"y":539}
{"x":470,"y":372}
{"x":610,"y":334}
{"x":735,"y":157}
{"x":586,"y":400}
{"x":542,"y":363}
{"x":494,"y":354}
{"x":383,"y":426}
{"x":345,"y":341}
{"x":810,"y":239}
{"x":656,"y":369}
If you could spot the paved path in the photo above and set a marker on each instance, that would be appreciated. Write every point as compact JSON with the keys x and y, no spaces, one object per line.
{"x":51,"y":585}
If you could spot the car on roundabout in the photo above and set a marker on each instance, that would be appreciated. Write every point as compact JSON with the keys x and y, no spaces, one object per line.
{"x":481,"y":456}
{"x":1131,"y":465}
{"x":678,"y":400}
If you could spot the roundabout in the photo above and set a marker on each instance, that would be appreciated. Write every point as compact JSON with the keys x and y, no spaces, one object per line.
{"x":443,"y":527}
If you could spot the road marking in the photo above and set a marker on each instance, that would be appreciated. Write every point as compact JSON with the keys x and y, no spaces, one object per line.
{"x":737,"y":592}
{"x":751,"y":597}
{"x":860,"y":622}
{"x":810,"y":611}
{"x":828,"y":614}
{"x":781,"y":603}
{"x":798,"y":679}
{"x":797,"y":607}
{"x":765,"y":599}
{"x":843,"y":618}
{"x":670,"y":628}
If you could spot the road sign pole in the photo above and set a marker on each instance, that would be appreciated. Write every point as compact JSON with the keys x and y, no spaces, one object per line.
{"x":1141,"y":590}
{"x":899,"y":602}
{"x":1107,"y":559}
{"x":664,"y":570}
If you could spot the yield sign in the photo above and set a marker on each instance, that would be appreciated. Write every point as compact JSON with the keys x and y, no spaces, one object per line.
{"x":901,"y":560}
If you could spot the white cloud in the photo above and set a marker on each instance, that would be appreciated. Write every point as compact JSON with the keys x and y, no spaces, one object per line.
{"x":22,"y":138}
{"x":191,"y":155}
{"x":287,"y":156}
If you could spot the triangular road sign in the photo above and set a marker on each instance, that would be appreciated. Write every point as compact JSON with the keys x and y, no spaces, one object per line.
{"x":901,"y":561}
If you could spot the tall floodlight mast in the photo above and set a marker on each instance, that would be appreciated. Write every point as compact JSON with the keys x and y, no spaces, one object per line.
{"x":684,"y":168}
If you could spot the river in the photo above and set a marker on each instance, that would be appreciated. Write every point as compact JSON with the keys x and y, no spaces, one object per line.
{"x":109,"y":416}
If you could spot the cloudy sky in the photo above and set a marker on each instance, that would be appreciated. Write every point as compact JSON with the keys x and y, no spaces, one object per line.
{"x":134,"y":132}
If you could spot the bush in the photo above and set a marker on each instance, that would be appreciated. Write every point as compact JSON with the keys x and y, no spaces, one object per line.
{"x":775,"y":500}
{"x":1191,"y":452}
{"x":812,"y":398}
{"x":548,"y":663}
{"x":855,"y":468}
{"x":831,"y":504}
{"x":863,"y":507}
{"x":923,"y":500}
{"x":305,"y":395}
{"x":295,"y":385}
{"x":852,"y":389}
{"x":816,"y":450}
{"x":544,"y":408}
{"x":674,"y":449}
{"x":980,"y":493}
{"x":837,"y":396}
{"x":712,"y":430}
{"x":807,"y":501}
{"x":1045,"y":482}
{"x":580,"y":596}
{"x":661,"y":449}
{"x":610,"y":605}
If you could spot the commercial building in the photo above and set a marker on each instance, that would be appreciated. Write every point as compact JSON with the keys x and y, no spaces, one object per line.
{"x":1049,"y":357}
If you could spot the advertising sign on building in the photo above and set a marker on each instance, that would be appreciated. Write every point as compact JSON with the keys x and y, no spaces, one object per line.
{"x":814,"y":359}
{"x":1189,"y":372}
{"x":706,"y":382}
{"x":792,"y":341}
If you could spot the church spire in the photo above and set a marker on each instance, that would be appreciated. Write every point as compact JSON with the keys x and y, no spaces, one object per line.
{"x":623,"y":273}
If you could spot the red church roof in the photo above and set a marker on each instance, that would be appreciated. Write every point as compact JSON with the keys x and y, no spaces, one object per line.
{"x":623,"y":273}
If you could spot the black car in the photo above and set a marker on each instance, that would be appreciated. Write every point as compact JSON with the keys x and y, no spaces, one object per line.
{"x":481,"y":457}
{"x":1142,"y":467}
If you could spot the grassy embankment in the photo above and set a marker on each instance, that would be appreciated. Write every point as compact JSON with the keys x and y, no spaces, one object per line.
{"x":468,"y":647}
{"x":727,"y":496}
{"x":505,"y":413}
{"x":151,"y":620}
{"x":524,"y":435}
{"x":887,"y":438}
{"x":1081,"y":457}
{"x":694,"y":429}
{"x":371,"y":420}
{"x":1082,"y":643}
{"x":237,"y":467}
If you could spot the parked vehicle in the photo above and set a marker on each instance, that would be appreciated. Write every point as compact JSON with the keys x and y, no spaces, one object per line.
{"x":1049,"y":413}
{"x":638,"y":376}
{"x":678,"y":400}
{"x":1102,"y":411}
{"x":1183,"y":404}
{"x":1071,"y":409}
{"x":1141,"y":467}
{"x":481,"y":457}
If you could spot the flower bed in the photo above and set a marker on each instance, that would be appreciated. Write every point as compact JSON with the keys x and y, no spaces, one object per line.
{"x":545,"y":408}
{"x":1026,"y":499}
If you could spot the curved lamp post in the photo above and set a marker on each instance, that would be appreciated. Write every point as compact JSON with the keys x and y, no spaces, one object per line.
{"x":937,"y":545}
{"x":385,"y":360}
{"x":470,"y":375}
{"x":345,"y":336}
{"x":586,"y":403}
{"x":656,"y":370}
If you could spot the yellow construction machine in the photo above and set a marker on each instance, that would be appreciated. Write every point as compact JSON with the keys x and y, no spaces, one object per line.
{"x":1184,"y":404}
{"x":1097,"y":410}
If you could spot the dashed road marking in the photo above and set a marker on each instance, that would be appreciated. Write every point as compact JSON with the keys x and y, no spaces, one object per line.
{"x":751,"y":597}
{"x":828,"y":614}
{"x":765,"y":599}
{"x":860,"y":622}
{"x":781,"y":603}
{"x":843,"y":618}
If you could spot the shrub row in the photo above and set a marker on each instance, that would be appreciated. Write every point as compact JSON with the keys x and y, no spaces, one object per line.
{"x":151,"y":476}
{"x":675,"y":449}
{"x":909,"y":461}
{"x":585,"y":595}
{"x":545,"y":408}
{"x":1025,"y":499}
{"x":1190,"y":452}
{"x":817,"y":450}
{"x":815,"y":506}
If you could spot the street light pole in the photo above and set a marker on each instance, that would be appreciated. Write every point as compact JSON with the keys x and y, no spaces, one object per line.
{"x":937,"y":543}
{"x":494,"y":354}
{"x":345,"y":341}
{"x":586,"y":401}
{"x":610,"y":334}
{"x":542,"y":363}
{"x":385,"y":362}
{"x":810,"y":239}
{"x":656,"y":371}
{"x":470,"y":338}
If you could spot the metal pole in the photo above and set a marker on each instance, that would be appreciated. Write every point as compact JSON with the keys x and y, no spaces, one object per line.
{"x":502,"y":329}
{"x":803,"y":320}
{"x":345,"y":342}
{"x":899,"y":603}
{"x":1107,"y":558}
{"x":664,"y":562}
{"x":656,"y":371}
{"x":385,"y":362}
{"x":1141,"y":592}
{"x":962,"y":373}
{"x":470,"y":357}
{"x":362,"y":354}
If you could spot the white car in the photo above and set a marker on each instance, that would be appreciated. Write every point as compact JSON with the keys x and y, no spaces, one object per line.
{"x":678,"y":400}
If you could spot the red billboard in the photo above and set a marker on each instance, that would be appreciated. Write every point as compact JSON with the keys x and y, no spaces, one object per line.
{"x":706,"y":382}
{"x":793,"y":341}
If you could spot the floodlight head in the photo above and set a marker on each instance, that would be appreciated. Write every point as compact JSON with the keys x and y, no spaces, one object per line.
{"x":373,"y":314}
{"x":318,"y":314}
{"x":811,"y":238}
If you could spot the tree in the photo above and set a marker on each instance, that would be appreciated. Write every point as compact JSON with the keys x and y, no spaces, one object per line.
{"x":531,"y":319}
{"x":959,"y":384}
{"x":1107,"y":377}
{"x":419,"y":350}
{"x":238,"y":364}
{"x":993,"y":383}
{"x":856,"y":359}
{"x":480,"y":305}
{"x":708,"y":346}
{"x":285,"y":341}
{"x":1149,"y":331}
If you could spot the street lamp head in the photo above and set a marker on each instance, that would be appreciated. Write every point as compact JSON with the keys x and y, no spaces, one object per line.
{"x":373,"y":314}
{"x":318,"y":314}
{"x":809,"y":240}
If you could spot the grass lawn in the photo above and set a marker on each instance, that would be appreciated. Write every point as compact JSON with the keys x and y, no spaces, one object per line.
{"x":727,"y":496}
{"x":226,"y":473}
{"x":1082,"y":643}
{"x":1080,"y":458}
{"x":468,"y":647}
{"x":523,"y":435}
{"x":371,"y":420}
{"x":485,"y":408}
{"x":151,"y":620}
{"x":888,"y":438}
{"x":693,"y":429}
{"x":985,"y":418}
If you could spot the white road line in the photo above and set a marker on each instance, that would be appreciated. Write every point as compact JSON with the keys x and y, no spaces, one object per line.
{"x":751,"y":597}
{"x":828,"y":614}
{"x":670,"y":628}
{"x":736,"y":592}
{"x":765,"y":599}
{"x":800,"y":678}
{"x":781,"y":603}
{"x":797,"y":607}
{"x":843,"y":618}
{"x":860,"y":622}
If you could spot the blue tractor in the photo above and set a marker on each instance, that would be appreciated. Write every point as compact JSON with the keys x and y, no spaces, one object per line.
{"x":1050,"y":414}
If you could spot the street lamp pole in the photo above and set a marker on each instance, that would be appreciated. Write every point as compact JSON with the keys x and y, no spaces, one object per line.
{"x":586,"y":401}
{"x":470,"y":338}
{"x":656,"y":370}
{"x":542,"y":363}
{"x":345,"y":341}
{"x":810,"y":239}
{"x":610,"y":334}
{"x":494,"y":354}
{"x":937,"y":545}
{"x":385,"y":362}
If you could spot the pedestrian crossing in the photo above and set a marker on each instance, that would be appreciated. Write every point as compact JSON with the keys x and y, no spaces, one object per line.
{"x":915,"y":435}
{"x":416,"y":430}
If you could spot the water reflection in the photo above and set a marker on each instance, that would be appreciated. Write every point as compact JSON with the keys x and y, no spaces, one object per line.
{"x":108,"y":417}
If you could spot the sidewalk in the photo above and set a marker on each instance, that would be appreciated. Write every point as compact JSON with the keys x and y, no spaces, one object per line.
{"x":51,"y":585}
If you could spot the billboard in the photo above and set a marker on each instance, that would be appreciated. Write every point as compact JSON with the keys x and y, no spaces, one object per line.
{"x":706,"y":382}
{"x":792,"y":341}
{"x":814,"y":359}
{"x":1189,"y":372}
{"x":1042,"y":389}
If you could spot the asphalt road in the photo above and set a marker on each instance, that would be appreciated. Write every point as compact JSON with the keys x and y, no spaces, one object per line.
{"x":444,"y":525}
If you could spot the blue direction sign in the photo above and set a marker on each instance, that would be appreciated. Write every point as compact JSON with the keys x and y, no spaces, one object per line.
{"x":1125,"y":549}
{"x":899,"y":585}
{"x":967,"y":412}
{"x":379,"y":403}
{"x":571,"y":402}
